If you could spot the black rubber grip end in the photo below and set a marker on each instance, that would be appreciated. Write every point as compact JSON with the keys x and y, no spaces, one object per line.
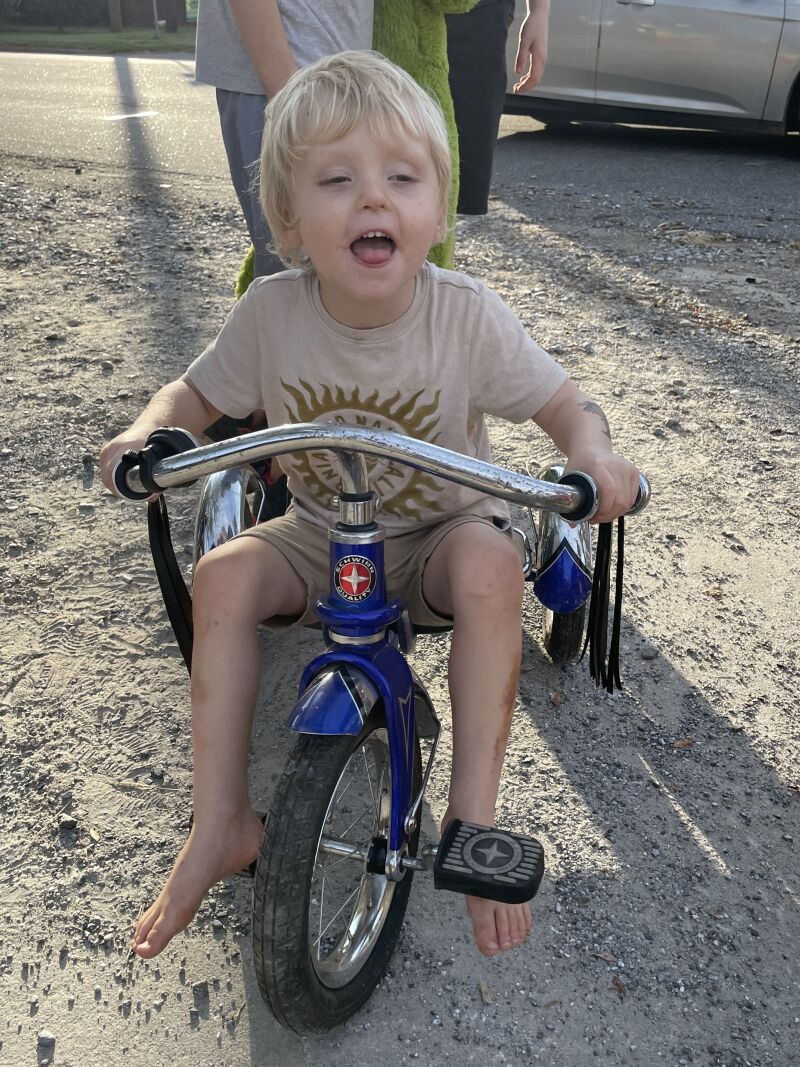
{"x":590,"y":501}
{"x":128,"y":461}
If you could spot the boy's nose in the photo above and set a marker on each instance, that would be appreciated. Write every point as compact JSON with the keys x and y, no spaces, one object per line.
{"x":373,"y":194}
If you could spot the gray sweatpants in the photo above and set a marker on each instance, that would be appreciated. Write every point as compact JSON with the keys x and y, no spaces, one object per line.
{"x":241,"y":116}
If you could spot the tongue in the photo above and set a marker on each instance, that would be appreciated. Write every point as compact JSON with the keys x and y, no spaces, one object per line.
{"x":372,"y":250}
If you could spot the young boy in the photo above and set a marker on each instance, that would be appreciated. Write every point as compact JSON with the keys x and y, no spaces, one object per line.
{"x":354,"y":184}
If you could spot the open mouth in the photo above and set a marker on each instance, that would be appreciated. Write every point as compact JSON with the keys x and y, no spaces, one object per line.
{"x":373,"y":248}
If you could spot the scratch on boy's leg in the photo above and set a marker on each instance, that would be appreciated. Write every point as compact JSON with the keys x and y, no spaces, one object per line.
{"x":508,"y":703}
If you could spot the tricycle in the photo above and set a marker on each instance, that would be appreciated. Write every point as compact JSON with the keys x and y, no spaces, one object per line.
{"x":342,"y":837}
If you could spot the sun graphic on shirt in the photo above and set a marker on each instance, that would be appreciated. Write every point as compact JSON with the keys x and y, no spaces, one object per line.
{"x":403,"y":491}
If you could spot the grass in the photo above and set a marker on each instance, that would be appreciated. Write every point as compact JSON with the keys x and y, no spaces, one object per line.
{"x":97,"y":41}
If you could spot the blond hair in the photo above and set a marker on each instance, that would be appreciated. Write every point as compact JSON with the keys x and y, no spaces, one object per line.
{"x":325,"y":102}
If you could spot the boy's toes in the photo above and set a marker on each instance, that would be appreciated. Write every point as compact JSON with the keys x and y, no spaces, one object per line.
{"x":521,"y":925}
{"x":484,"y":927}
{"x":158,"y":927}
{"x":153,"y":942}
{"x":498,"y":927}
{"x":503,"y":922}
{"x":144,"y":925}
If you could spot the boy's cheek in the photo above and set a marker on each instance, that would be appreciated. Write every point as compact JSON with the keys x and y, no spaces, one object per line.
{"x":290,"y":238}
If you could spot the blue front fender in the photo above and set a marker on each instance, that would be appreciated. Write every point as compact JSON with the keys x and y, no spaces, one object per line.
{"x":337,"y":701}
{"x":339,"y":690}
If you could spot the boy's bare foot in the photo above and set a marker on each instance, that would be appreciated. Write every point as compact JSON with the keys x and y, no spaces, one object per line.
{"x":496,"y":927}
{"x":210,"y":854}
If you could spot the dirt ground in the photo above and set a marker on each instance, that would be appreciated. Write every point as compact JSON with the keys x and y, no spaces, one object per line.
{"x":667,"y":930}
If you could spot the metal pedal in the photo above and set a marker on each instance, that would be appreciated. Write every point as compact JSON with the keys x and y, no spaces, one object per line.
{"x":482,"y":861}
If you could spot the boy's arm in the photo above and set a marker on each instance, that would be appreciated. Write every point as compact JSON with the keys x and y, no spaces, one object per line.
{"x":579,"y":428}
{"x":177,"y":404}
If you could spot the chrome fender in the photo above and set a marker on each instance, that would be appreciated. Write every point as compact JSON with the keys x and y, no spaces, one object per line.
{"x":230,"y":501}
{"x":563,"y":575}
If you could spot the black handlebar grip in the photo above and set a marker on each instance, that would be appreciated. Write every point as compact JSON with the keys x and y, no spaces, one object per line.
{"x":590,"y":497}
{"x":163,"y":442}
{"x":642,"y":497}
{"x":128,"y":461}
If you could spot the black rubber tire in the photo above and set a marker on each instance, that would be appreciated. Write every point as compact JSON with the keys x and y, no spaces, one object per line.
{"x":563,"y":633}
{"x":286,"y":976}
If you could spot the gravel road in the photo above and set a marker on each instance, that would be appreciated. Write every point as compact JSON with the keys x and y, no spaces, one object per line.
{"x":667,"y":930}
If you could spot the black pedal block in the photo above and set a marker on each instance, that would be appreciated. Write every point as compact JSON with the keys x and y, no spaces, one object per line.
{"x":482,"y":861}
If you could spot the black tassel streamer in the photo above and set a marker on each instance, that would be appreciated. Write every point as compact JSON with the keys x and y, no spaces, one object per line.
{"x":177,"y":599}
{"x":604,"y":669}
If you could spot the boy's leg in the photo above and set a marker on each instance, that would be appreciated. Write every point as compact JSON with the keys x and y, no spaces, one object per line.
{"x":474,"y":575}
{"x":236,"y":587}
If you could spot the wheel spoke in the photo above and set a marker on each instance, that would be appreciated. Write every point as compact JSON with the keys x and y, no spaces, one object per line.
{"x":353,"y":903}
{"x":369,"y":776}
{"x":336,"y":916}
{"x":326,"y":868}
{"x":379,"y":806}
{"x":357,"y":819}
{"x":337,"y":799}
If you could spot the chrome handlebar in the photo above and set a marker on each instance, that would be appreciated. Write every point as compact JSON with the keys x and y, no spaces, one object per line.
{"x":352,"y":444}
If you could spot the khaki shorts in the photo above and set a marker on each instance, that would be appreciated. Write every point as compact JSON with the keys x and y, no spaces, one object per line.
{"x":306,"y":548}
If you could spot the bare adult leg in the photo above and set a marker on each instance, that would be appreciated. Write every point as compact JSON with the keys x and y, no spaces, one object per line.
{"x":474,"y":574}
{"x":236,"y":587}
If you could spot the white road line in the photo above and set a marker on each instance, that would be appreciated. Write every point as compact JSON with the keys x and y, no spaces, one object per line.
{"x":130,"y":115}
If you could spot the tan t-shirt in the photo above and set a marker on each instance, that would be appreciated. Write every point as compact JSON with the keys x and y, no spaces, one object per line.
{"x":457,"y":354}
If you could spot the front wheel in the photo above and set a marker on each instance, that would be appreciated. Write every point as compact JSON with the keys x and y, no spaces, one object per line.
{"x":324,"y":928}
{"x":562,"y":633}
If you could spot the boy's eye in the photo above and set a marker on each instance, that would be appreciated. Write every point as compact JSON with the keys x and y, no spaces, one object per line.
{"x":403,"y":178}
{"x":337,"y":179}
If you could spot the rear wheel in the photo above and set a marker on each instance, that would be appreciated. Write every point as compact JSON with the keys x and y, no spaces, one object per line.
{"x":324,"y":928}
{"x":562,"y":633}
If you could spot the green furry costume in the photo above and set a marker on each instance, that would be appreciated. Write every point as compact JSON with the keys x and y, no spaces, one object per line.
{"x":412,"y":33}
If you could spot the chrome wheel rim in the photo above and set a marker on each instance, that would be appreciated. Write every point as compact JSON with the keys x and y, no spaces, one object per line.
{"x":348,"y":906}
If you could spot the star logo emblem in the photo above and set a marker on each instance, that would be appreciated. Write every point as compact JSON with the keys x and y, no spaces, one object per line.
{"x":355,"y":578}
{"x":491,"y":853}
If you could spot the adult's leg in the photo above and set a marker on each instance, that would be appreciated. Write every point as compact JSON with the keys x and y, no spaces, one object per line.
{"x":476,"y":52}
{"x":236,"y":587}
{"x":242,"y":120}
{"x":474,"y":575}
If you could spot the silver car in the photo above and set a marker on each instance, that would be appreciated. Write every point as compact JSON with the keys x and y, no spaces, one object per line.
{"x":707,"y":64}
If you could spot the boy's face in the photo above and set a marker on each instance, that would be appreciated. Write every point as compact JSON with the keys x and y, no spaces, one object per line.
{"x":367,"y":215}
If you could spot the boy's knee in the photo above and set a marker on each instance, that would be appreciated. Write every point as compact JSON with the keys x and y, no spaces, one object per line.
{"x":489,"y":569}
{"x":218,"y":582}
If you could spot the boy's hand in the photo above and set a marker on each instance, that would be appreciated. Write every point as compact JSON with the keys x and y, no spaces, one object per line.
{"x":616,"y":478}
{"x":111,"y":453}
{"x":580,"y":429}
{"x":176,"y":404}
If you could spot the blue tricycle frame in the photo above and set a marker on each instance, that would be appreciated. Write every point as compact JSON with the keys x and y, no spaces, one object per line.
{"x":363,"y":673}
